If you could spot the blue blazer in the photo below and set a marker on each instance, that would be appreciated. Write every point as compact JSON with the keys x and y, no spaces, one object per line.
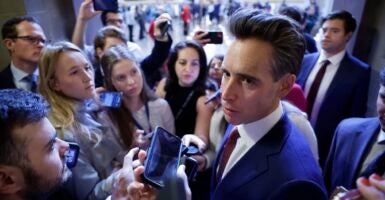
{"x":6,"y":78}
{"x":279,"y":166}
{"x":352,"y":141}
{"x":346,"y":97}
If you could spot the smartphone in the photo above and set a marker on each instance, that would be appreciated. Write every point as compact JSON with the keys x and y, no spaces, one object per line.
{"x":216,"y":37}
{"x":72,"y":154}
{"x":341,"y":193}
{"x":213,"y":96}
{"x":111,"y":99}
{"x":164,"y":26}
{"x":191,"y":167}
{"x":163,"y":158}
{"x":106,"y":5}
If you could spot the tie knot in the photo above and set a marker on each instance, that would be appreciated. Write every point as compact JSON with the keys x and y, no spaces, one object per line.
{"x":234,"y":135}
{"x":326,"y":62}
{"x":30,"y":78}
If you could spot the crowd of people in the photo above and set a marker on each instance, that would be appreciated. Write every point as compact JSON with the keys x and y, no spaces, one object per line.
{"x":273,"y":118}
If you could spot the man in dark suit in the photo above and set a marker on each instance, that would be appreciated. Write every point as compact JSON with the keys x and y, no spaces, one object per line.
{"x":335,"y":83}
{"x":265,"y":156}
{"x":24,"y":39}
{"x":357,"y":141}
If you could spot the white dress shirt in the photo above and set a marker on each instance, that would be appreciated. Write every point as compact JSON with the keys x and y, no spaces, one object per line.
{"x":18,"y":78}
{"x":330,"y":72}
{"x":250,"y":134}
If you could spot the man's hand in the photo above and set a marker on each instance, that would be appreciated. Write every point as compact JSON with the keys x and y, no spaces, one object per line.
{"x":372,"y":189}
{"x":193,"y":139}
{"x":182,"y":174}
{"x":199,"y":36}
{"x":157,"y":29}
{"x":86,"y":11}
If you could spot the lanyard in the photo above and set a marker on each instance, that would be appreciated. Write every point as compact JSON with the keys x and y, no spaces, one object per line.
{"x":147,"y":110}
{"x":184,"y":105}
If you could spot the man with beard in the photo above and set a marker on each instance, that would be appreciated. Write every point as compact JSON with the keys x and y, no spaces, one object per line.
{"x":32,"y":160}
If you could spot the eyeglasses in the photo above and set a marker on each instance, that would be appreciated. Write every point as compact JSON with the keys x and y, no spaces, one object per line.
{"x":33,"y":40}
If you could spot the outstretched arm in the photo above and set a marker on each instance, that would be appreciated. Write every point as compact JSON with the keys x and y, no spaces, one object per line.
{"x":86,"y":12}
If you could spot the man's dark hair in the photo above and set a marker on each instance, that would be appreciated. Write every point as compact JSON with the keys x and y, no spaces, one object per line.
{"x":9,"y":27}
{"x":345,"y":16}
{"x":106,"y":32}
{"x":18,"y":108}
{"x":103,"y":16}
{"x":293,"y":13}
{"x":280,"y":31}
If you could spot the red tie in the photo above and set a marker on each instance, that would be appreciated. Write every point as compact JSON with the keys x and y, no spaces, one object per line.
{"x":315,"y":86}
{"x":227,"y":150}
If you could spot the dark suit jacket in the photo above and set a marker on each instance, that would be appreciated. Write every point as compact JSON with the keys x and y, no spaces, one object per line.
{"x":279,"y":166}
{"x":6,"y":78}
{"x":352,"y":141}
{"x":346,"y":97}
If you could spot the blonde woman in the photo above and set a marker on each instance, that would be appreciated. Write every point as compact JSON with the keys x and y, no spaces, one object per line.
{"x":123,"y":74}
{"x":66,"y":81}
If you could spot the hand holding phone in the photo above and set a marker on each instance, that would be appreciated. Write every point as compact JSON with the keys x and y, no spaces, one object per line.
{"x":163,"y":157}
{"x":216,"y":37}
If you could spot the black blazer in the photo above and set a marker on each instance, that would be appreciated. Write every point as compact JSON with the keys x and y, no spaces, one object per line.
{"x":352,"y":141}
{"x":6,"y":78}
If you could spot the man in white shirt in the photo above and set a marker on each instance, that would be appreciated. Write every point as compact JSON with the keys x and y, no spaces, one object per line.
{"x":263,"y":154}
{"x":335,"y":83}
{"x":24,"y":38}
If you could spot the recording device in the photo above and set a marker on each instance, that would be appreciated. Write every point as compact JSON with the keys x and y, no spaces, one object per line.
{"x":216,"y":37}
{"x":106,"y":5}
{"x":111,"y":99}
{"x":191,"y":167}
{"x":190,"y":150}
{"x":72,"y":154}
{"x":213,"y":96}
{"x":164,"y":26}
{"x":341,"y":193}
{"x":164,"y":156}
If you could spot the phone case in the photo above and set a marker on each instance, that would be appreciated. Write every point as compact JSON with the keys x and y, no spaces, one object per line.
{"x":153,"y":155}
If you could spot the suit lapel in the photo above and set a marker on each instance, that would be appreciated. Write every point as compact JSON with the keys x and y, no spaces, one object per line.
{"x":307,"y":67}
{"x":361,"y":144}
{"x":255,"y":161}
{"x":343,"y":73}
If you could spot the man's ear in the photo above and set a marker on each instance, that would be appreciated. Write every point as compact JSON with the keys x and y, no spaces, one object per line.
{"x":9,"y":43}
{"x":99,"y":53}
{"x":287,"y":82}
{"x":11,"y":179}
{"x":348,"y":36}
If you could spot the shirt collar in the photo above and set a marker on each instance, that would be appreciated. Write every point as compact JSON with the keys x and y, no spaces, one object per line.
{"x":335,"y":59}
{"x":248,"y":131}
{"x":19,"y":74}
{"x":381,"y":137}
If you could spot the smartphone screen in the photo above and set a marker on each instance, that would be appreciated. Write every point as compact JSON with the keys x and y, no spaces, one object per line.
{"x":72,"y":154}
{"x":106,"y":5}
{"x":110,"y":99}
{"x":163,"y":157}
